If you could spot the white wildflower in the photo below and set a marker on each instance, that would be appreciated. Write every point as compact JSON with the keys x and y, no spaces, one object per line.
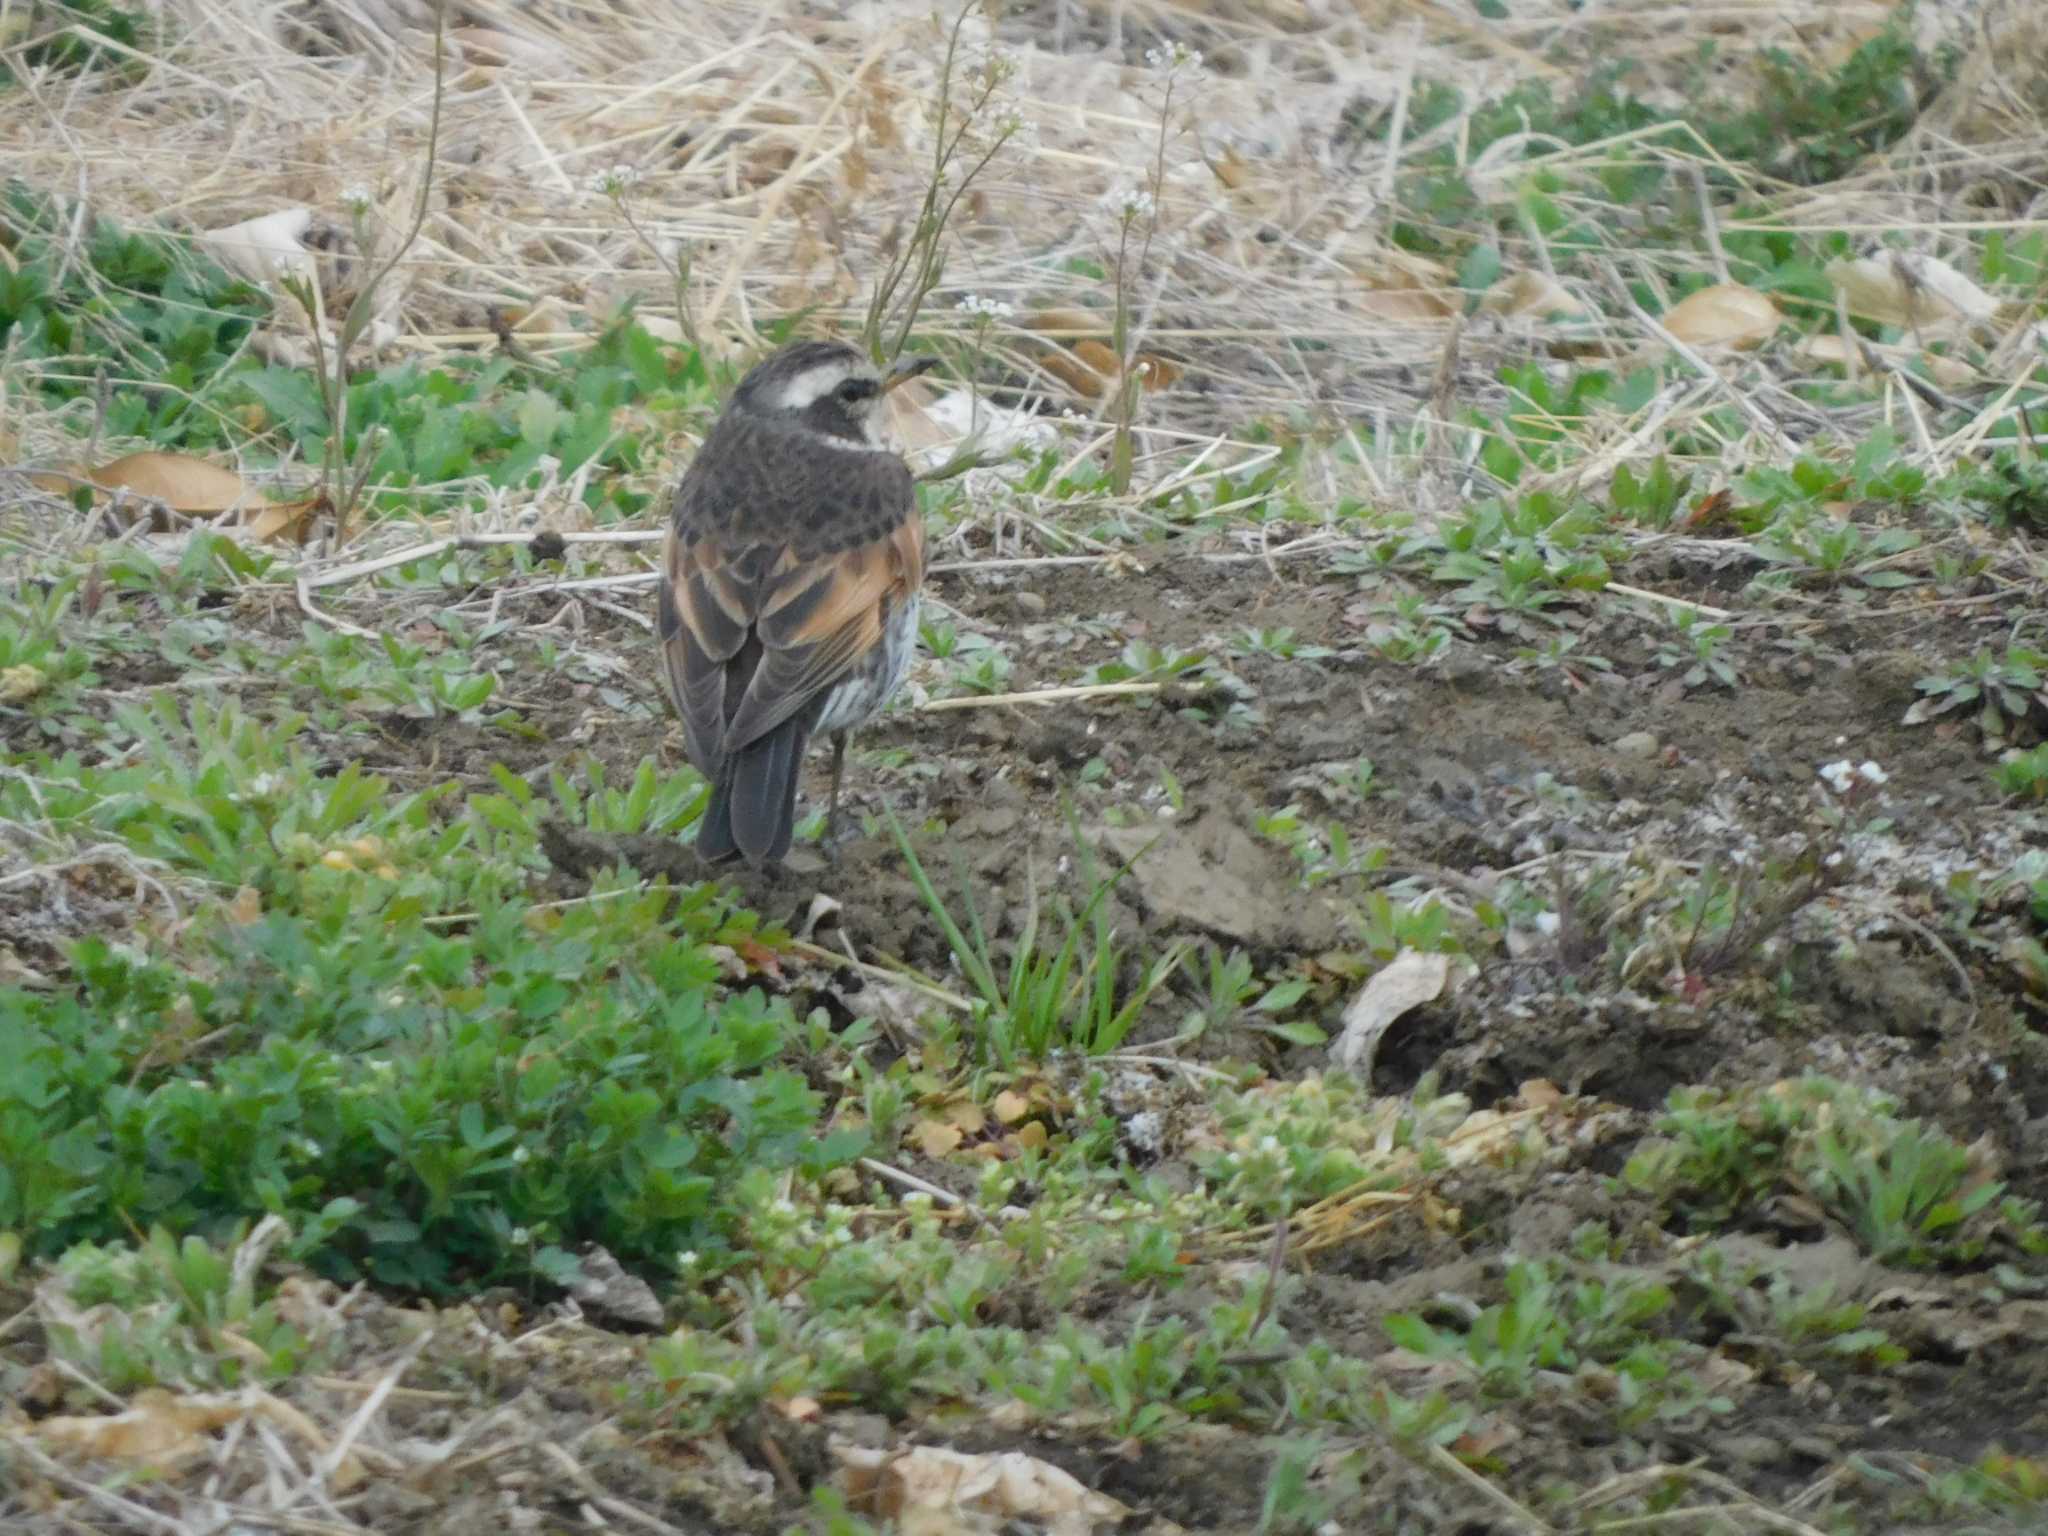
{"x":994,"y":67}
{"x":521,"y":1155}
{"x":992,"y":309}
{"x":1130,"y":203}
{"x":615,"y":180}
{"x":1174,"y":59}
{"x":1021,"y":130}
{"x":356,"y":198}
{"x":521,"y":1237}
{"x":1870,"y":773}
{"x":686,"y":1258}
{"x":1146,"y":1130}
{"x":1838,"y":775}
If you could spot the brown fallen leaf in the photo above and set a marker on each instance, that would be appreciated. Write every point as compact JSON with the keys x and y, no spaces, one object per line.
{"x":1907,"y":290}
{"x":1829,"y":350}
{"x":1068,"y":323}
{"x":1097,"y":356}
{"x":1536,"y":295}
{"x":161,"y":1428}
{"x":937,"y":1138}
{"x":1724,"y":315}
{"x":931,"y":1491}
{"x":1075,"y":374}
{"x":1402,"y":289}
{"x":968,"y":1115}
{"x":282,"y":521}
{"x":191,"y":487}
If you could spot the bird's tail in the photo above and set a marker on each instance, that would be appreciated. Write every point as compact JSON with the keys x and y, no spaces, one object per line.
{"x":752,"y":810}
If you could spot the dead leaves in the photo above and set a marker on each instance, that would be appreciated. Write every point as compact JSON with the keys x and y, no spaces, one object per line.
{"x":1400,"y":289}
{"x":1724,"y":315}
{"x":1076,"y":354}
{"x":1409,"y":980}
{"x":1018,"y":1119}
{"x":167,"y":488}
{"x":163,"y":1430}
{"x":930,"y":1491}
{"x":1920,"y":293}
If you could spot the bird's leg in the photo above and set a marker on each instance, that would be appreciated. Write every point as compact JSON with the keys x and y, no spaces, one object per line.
{"x":838,"y":773}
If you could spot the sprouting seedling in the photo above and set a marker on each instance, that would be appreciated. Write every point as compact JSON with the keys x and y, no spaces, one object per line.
{"x":958,"y":158}
{"x":341,"y":484}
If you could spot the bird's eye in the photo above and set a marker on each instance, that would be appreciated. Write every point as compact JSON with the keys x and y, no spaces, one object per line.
{"x":856,"y":389}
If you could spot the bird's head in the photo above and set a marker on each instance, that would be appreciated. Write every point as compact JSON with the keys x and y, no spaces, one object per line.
{"x":825,"y":387}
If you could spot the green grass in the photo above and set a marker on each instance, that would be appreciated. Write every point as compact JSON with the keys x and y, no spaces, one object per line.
{"x":164,"y":332}
{"x":314,"y":974}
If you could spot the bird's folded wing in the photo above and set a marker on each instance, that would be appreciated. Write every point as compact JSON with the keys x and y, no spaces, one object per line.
{"x":815,"y":620}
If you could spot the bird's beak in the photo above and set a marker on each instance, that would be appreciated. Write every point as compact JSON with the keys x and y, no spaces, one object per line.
{"x":907,"y":369}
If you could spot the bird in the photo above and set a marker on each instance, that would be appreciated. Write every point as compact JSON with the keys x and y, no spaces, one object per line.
{"x":787,"y":605}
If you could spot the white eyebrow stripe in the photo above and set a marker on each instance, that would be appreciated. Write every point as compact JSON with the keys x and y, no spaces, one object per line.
{"x":814,"y":383}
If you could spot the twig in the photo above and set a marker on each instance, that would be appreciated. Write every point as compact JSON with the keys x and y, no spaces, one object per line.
{"x":1041,"y":696}
{"x":916,"y":983}
{"x":1670,"y":602}
{"x":324,"y":1465}
{"x":342,"y":574}
{"x":911,"y":1181}
{"x":588,"y":1487}
{"x":1528,"y":1519}
{"x":319,"y":616}
{"x":138,"y":1515}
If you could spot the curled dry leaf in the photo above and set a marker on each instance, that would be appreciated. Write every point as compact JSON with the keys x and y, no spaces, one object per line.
{"x":1088,"y":369}
{"x":1068,"y":323}
{"x":191,"y":487}
{"x":1536,"y":295}
{"x":1831,"y":351}
{"x":1410,"y":979}
{"x":928,"y":1491}
{"x":1724,"y":315}
{"x":1075,"y":374}
{"x":1097,"y":357}
{"x":267,"y":247}
{"x":1406,"y":290}
{"x":1921,"y":292}
{"x":161,"y":1429}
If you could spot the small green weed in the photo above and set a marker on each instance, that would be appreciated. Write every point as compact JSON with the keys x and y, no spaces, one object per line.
{"x":140,"y":316}
{"x":2007,"y":688}
{"x":2023,"y":775}
{"x":1909,"y":1193}
{"x":1046,"y":999}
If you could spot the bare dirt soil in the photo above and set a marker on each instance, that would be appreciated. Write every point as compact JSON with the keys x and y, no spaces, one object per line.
{"x":1479,"y":767}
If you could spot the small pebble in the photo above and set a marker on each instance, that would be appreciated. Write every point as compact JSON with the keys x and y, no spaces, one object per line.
{"x":1636,"y":744}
